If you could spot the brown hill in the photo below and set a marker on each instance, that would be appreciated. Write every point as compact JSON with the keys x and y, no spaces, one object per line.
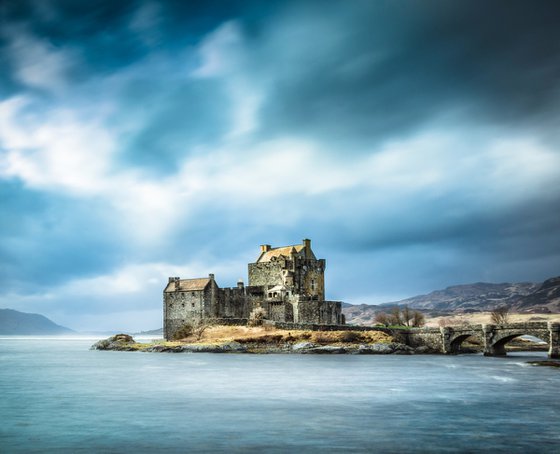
{"x":524,"y":297}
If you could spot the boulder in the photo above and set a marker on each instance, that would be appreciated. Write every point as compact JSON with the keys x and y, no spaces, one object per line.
{"x":303,"y":346}
{"x":119,"y":342}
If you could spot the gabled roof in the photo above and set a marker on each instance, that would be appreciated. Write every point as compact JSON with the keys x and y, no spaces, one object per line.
{"x":277,"y":252}
{"x":285,"y":251}
{"x":188,"y":285}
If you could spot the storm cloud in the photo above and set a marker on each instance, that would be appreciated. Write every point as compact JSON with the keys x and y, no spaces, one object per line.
{"x":416,"y":143}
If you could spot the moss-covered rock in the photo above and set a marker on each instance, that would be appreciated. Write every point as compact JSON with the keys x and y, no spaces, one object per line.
{"x":121,"y":342}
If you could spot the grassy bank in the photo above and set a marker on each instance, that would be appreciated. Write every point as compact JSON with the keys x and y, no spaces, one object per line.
{"x":270,"y":335}
{"x":254,"y":340}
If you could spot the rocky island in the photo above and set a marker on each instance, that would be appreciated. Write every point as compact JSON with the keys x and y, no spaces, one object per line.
{"x":263,"y":340}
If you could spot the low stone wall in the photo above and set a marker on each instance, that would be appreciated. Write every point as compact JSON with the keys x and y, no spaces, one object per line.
{"x":315,"y":327}
{"x":229,"y":321}
{"x":424,"y":337}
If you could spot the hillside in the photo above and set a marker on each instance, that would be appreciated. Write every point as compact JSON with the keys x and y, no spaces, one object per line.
{"x":524,"y":297}
{"x":152,"y":332}
{"x":20,"y":323}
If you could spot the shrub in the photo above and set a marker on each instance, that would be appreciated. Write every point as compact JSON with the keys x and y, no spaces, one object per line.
{"x":382,"y":318}
{"x":402,"y":317}
{"x":349,"y":336}
{"x":500,"y":315}
{"x":320,"y":337}
{"x":195,"y":329}
{"x":185,"y":331}
{"x":256,"y":316}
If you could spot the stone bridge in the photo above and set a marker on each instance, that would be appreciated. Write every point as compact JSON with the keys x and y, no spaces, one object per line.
{"x":493,"y":337}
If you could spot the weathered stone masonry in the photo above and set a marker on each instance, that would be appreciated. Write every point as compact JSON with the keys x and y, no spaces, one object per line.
{"x":288,"y":282}
{"x":493,"y":337}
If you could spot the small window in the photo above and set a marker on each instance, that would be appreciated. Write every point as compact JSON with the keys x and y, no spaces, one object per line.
{"x":182,"y":304}
{"x":192,"y":304}
{"x":192,"y":293}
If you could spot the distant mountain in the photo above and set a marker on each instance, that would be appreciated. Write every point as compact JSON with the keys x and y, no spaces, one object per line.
{"x":545,"y":299}
{"x":14,"y":322}
{"x":152,"y":332}
{"x":363,"y":314}
{"x":524,"y":297}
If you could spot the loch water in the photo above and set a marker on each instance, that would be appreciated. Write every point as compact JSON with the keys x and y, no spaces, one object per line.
{"x":58,"y":396}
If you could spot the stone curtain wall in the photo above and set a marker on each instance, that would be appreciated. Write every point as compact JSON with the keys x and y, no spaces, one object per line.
{"x":233,"y":303}
{"x":320,"y":312}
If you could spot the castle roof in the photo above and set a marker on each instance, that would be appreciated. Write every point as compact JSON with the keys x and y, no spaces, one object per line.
{"x":286,"y":251}
{"x":278,"y":251}
{"x":187,"y":285}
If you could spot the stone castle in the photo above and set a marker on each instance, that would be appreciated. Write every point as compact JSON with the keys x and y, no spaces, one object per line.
{"x":287,"y":282}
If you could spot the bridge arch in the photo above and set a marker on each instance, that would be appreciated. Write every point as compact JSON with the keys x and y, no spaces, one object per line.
{"x":456,"y":341}
{"x":453,"y":337}
{"x":497,"y":336}
{"x":499,"y":346}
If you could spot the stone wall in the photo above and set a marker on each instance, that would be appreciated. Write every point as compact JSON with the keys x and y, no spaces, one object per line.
{"x":183,"y":307}
{"x":320,"y":312}
{"x":310,"y":277}
{"x":232,"y":303}
{"x":317,"y":327}
{"x":424,"y":337}
{"x":265,"y":274}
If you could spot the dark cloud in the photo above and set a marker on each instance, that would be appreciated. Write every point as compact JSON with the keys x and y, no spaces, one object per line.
{"x":367,"y":71}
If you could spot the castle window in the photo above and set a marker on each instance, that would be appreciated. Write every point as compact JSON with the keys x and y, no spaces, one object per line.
{"x":312,"y":284}
{"x":182,"y":304}
{"x":192,"y":304}
{"x":192,"y":293}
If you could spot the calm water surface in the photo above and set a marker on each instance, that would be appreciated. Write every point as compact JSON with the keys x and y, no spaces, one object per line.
{"x":57,"y":396}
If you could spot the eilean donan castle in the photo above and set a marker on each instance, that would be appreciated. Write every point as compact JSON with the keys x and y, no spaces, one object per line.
{"x":288,"y":282}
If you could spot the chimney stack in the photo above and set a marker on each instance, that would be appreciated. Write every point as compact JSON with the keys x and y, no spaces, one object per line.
{"x":211,"y":276}
{"x":307,"y":244}
{"x":265,"y":247}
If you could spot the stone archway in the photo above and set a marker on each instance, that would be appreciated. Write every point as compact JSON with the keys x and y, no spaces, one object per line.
{"x":499,"y":347}
{"x":453,"y":337}
{"x":496,"y":337}
{"x":455,"y":344}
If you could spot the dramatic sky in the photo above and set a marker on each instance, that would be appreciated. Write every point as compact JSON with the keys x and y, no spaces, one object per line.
{"x":417,"y":143}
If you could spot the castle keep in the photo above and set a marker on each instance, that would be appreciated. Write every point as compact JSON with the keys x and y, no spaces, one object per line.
{"x":288,"y":282}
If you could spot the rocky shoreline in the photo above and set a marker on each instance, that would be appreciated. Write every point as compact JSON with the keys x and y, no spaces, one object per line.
{"x":124,"y":342}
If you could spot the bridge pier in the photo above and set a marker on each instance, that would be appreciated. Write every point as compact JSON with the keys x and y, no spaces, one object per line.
{"x":554,"y":343}
{"x":446,"y":334}
{"x":491,"y":346}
